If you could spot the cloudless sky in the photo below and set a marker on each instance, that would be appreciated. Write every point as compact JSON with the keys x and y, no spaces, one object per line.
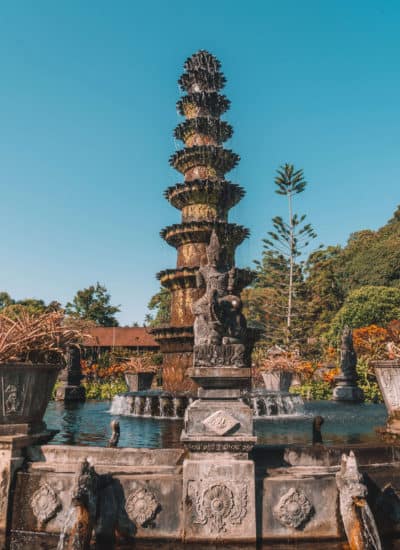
{"x":87,"y":110}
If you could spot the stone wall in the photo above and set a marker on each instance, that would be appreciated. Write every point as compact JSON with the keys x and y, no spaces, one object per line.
{"x":296,"y":493}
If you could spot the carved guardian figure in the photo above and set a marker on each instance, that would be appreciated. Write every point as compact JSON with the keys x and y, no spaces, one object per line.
{"x":219,"y":326}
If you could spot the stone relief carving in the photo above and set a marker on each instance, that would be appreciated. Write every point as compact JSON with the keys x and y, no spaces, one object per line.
{"x":294,"y":509}
{"x":221,"y":422}
{"x":12,"y":400}
{"x":389,"y":379}
{"x":219,"y":447}
{"x":212,"y":355}
{"x":218,"y":503}
{"x":4,"y":490}
{"x":142,"y":506}
{"x":45,"y":503}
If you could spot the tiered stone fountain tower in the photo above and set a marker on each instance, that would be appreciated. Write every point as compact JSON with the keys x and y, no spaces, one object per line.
{"x":204,"y":198}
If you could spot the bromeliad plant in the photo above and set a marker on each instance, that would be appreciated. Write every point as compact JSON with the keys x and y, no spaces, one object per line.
{"x":30,"y":338}
{"x":32,"y":351}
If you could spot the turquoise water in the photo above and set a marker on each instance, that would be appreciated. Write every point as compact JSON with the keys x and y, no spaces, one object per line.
{"x":89,"y":424}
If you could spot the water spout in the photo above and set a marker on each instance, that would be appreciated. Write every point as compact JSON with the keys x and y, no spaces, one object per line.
{"x":358,"y":520}
{"x":78,"y":527}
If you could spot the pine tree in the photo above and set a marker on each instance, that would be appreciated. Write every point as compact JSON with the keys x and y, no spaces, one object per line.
{"x":280,"y":269}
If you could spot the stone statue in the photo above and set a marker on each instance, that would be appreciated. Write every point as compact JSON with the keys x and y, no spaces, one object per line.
{"x":219,"y":326}
{"x":346,"y":388}
{"x":348,"y":357}
{"x":70,"y":377}
{"x":116,"y":432}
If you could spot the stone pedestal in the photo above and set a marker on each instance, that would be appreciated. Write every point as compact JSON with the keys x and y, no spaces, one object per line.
{"x":388,"y":377}
{"x":346,"y":389}
{"x":218,"y":478}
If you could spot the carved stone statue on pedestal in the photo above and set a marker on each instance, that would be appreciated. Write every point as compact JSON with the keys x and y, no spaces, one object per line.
{"x":346,"y":388}
{"x":219,"y":326}
{"x":70,"y":388}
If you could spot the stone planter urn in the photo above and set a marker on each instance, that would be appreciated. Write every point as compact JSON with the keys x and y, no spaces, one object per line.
{"x":139,"y":381}
{"x":25,"y":391}
{"x":278,"y":380}
{"x":388,"y":377}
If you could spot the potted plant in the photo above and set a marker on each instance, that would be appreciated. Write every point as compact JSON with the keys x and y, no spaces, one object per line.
{"x":31,"y":354}
{"x":278,"y":368}
{"x":139,"y":372}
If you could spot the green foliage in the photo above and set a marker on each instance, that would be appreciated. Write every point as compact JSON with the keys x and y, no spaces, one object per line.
{"x":106,"y":389}
{"x":314,"y":390}
{"x":160,"y":304}
{"x":322,"y":390}
{"x":324,"y":290}
{"x":367,"y":382}
{"x":369,"y":305}
{"x":5,"y":300}
{"x":32,"y":306}
{"x":93,"y":304}
{"x":370,"y":258}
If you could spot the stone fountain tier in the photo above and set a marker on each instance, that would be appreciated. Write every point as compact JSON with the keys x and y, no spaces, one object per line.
{"x":159,"y":404}
{"x":270,"y":404}
{"x":151,"y":404}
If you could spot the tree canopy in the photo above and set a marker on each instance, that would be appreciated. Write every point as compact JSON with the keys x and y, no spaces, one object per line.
{"x":160,"y":306}
{"x":93,"y":304}
{"x":368,"y":305}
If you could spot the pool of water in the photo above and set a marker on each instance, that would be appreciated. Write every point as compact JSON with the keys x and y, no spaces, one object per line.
{"x":89,"y":424}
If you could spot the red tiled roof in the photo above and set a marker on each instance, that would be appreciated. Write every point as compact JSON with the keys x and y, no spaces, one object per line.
{"x":123,"y":337}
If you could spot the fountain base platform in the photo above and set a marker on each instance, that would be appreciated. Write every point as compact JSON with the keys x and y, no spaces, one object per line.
{"x":296,"y":493}
{"x":159,"y":404}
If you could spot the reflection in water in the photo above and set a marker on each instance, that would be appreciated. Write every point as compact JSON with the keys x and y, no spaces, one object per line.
{"x":89,"y":424}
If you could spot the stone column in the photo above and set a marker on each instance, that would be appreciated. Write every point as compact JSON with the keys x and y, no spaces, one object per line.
{"x":218,"y":477}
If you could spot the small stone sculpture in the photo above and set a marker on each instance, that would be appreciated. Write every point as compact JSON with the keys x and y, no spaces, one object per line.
{"x":346,"y":383}
{"x":115,"y":434}
{"x":348,"y":357}
{"x":70,"y":377}
{"x":219,"y":326}
{"x":316,"y":432}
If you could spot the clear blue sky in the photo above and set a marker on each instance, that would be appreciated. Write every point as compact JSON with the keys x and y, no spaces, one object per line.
{"x":87,"y":109}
